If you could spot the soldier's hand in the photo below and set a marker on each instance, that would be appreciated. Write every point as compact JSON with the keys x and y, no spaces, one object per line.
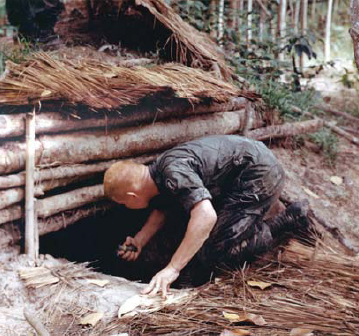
{"x":162,"y":281}
{"x":129,"y":254}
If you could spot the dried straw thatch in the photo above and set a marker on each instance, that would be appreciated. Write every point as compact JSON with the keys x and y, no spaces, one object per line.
{"x":146,"y":24}
{"x":304,"y":287}
{"x":104,"y":86}
{"x":313,"y":288}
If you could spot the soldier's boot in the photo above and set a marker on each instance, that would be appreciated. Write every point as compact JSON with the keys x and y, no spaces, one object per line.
{"x":293,"y":218}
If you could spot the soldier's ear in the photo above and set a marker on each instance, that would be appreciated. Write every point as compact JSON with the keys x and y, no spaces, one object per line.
{"x":131,"y":194}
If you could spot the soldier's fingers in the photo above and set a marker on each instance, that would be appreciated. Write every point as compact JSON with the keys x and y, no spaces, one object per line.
{"x":126,"y":255}
{"x":155,"y":289}
{"x":129,"y":240}
{"x":133,"y":256}
{"x":149,"y":287}
{"x":164,"y":290}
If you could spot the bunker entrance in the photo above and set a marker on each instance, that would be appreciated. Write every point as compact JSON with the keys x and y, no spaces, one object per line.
{"x":95,"y":240}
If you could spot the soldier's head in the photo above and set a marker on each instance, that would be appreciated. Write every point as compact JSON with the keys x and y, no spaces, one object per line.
{"x":125,"y":183}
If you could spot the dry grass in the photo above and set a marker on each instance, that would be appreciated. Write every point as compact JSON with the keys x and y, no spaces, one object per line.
{"x":104,"y":86}
{"x":312,"y":288}
{"x":183,"y":43}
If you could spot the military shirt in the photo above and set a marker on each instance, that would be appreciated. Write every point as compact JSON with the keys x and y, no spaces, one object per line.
{"x":209,"y":167}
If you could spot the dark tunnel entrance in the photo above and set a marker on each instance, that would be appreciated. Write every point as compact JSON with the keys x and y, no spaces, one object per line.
{"x":96,"y":240}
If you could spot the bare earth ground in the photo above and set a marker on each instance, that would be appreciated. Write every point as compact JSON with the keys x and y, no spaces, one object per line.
{"x":336,"y":205}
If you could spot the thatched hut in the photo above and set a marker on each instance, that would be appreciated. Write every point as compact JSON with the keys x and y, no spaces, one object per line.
{"x":93,"y":108}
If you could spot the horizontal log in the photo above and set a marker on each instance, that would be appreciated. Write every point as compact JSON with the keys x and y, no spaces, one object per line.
{"x":52,"y":205}
{"x":13,"y":125}
{"x":12,"y":196}
{"x":64,"y":219}
{"x":341,"y":114}
{"x":65,"y":172}
{"x":117,"y":143}
{"x":353,"y":139}
{"x":286,"y":130}
{"x":10,"y":214}
{"x":10,"y":234}
{"x":70,"y":200}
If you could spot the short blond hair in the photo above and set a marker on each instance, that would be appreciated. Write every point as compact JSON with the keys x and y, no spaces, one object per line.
{"x":122,"y":177}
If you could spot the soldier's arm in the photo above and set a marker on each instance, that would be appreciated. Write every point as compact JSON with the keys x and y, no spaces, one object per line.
{"x":202,"y":220}
{"x":153,"y":224}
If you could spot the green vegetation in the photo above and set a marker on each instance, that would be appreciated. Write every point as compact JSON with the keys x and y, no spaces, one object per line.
{"x":328,"y":143}
{"x":17,"y":54}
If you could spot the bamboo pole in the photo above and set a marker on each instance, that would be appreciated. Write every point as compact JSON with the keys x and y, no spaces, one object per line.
{"x":296,"y":16}
{"x":31,"y":247}
{"x":13,"y":125}
{"x":328,"y":32}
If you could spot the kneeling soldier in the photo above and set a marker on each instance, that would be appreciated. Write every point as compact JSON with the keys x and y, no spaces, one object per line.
{"x":225,"y":183}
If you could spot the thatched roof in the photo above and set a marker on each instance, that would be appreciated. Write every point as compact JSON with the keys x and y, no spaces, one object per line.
{"x":102,"y":85}
{"x":147,"y":25}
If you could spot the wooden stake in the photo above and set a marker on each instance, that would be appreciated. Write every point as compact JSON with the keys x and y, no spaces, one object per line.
{"x":31,"y":247}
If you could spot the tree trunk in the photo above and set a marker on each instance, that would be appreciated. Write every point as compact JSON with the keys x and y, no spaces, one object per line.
{"x":233,"y":5}
{"x":221,"y":22}
{"x":296,"y":16}
{"x":262,"y":23}
{"x":212,"y":19}
{"x":12,"y":125}
{"x":116,"y":143}
{"x":354,"y":31}
{"x":286,"y":130}
{"x":240,"y":15}
{"x":249,"y":23}
{"x":304,"y":27}
{"x":314,"y":5}
{"x":282,"y":26}
{"x":328,"y":32}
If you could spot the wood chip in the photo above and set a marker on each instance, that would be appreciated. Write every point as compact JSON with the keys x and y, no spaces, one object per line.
{"x":310,"y":193}
{"x":97,"y":282}
{"x":301,"y":332}
{"x":235,"y":332}
{"x":337,"y":180}
{"x":91,"y":319}
{"x":245,"y":317}
{"x":262,"y":285}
